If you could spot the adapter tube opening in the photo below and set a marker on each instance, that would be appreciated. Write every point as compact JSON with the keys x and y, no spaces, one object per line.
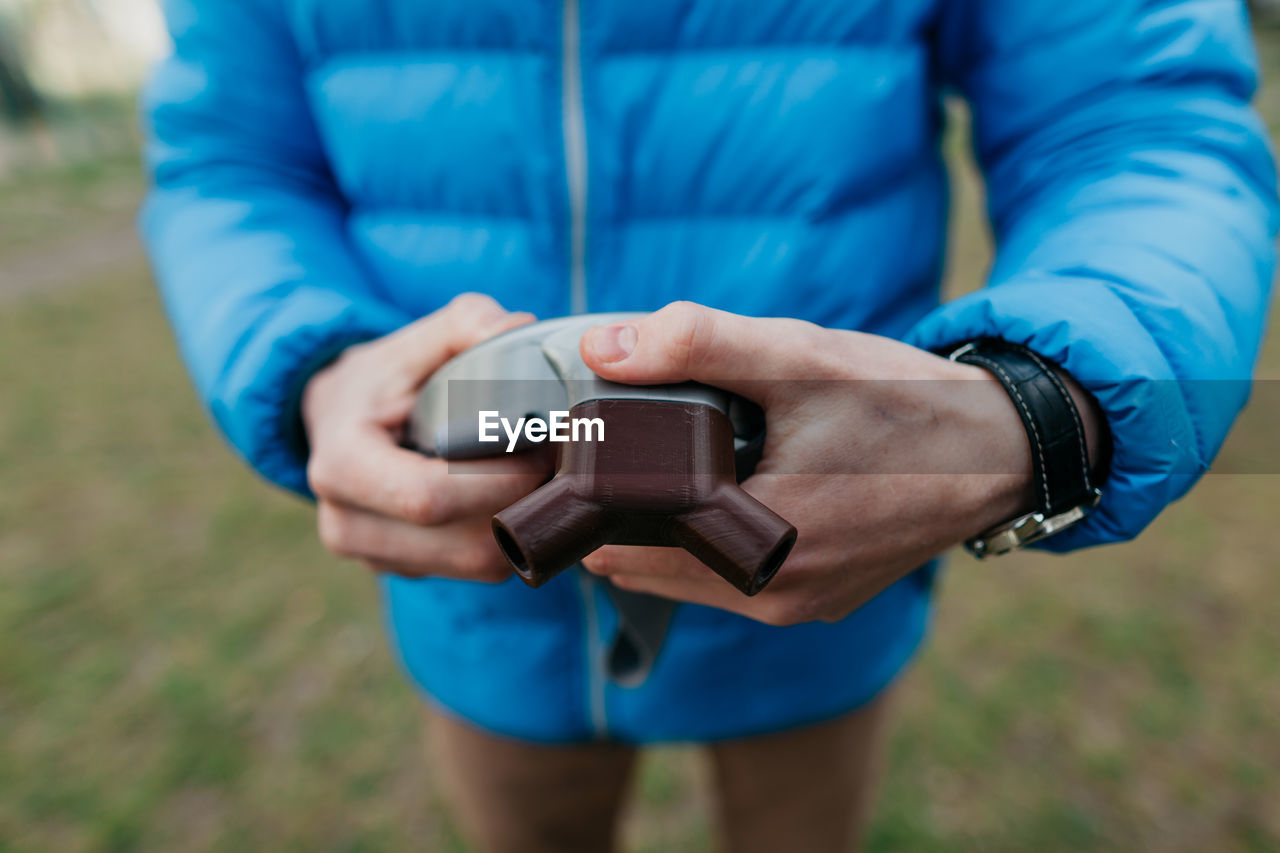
{"x":549,"y":530}
{"x":739,"y":538}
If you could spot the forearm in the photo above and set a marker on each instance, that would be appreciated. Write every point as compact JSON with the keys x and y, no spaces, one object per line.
{"x":246,"y":230}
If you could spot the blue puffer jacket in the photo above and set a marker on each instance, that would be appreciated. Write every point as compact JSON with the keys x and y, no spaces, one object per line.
{"x":327,"y":171}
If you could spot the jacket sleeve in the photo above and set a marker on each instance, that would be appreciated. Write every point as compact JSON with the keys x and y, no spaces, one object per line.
{"x":245,"y":228}
{"x":1131,"y":193}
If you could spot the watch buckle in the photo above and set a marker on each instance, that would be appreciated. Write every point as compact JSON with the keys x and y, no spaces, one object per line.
{"x":1026,"y":529}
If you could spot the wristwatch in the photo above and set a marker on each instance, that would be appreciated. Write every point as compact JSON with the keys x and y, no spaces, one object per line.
{"x":1064,"y":486}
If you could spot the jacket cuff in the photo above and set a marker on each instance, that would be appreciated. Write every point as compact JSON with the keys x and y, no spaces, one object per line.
{"x":1088,"y":329}
{"x":258,"y":405}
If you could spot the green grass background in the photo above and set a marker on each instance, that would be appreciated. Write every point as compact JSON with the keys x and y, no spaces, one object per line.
{"x":182,"y":667}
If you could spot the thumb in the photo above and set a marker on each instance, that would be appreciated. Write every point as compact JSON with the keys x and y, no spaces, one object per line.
{"x":425,"y":344}
{"x":684,"y":342}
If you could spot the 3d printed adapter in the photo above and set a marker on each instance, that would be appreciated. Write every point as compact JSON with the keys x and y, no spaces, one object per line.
{"x":666,"y":471}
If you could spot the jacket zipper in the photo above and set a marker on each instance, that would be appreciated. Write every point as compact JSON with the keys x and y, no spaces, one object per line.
{"x":574,"y":130}
{"x":595,"y":655}
{"x":573,"y":127}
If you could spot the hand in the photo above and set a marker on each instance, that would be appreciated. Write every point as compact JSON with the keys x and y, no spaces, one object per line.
{"x":394,"y":509}
{"x":877,"y":476}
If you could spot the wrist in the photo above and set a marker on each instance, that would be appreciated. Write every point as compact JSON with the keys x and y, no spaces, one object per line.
{"x":311,"y":400}
{"x":300,"y":401}
{"x":999,"y":482}
{"x":1063,"y":475}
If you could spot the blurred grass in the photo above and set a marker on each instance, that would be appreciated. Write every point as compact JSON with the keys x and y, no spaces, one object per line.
{"x":43,"y":210}
{"x":182,"y":667}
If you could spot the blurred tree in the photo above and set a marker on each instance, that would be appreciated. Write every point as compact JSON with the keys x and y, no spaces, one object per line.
{"x":18,"y":97}
{"x":1265,"y":12}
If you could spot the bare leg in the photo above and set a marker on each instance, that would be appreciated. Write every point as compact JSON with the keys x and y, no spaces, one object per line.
{"x":807,"y":790}
{"x":512,"y":796}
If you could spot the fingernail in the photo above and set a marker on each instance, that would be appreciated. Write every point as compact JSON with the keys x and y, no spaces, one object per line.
{"x":612,"y":343}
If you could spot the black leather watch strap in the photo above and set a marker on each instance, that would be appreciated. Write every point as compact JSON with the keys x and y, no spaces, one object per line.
{"x":1059,"y":454}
